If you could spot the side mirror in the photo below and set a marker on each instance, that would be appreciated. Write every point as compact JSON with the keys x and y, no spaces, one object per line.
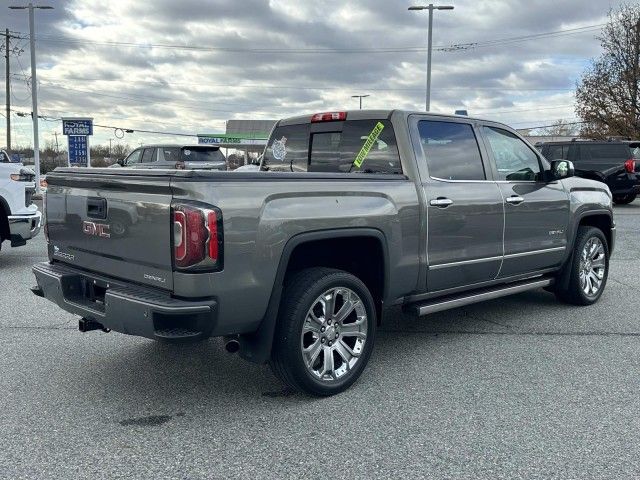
{"x":120,"y":162}
{"x":561,"y":169}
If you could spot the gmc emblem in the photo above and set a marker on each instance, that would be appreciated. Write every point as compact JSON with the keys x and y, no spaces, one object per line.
{"x":96,"y":229}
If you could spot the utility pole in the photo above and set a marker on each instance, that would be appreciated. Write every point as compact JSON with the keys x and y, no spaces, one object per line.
{"x":57,"y":146}
{"x":360,"y":97}
{"x":109,"y":149}
{"x":7,"y":87}
{"x":431,"y":7}
{"x":34,"y":85}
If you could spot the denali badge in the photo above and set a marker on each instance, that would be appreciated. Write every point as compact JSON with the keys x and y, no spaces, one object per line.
{"x":96,"y":229}
{"x":155,"y":278}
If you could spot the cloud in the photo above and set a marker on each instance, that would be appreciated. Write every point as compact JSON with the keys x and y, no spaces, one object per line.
{"x":269,"y":59}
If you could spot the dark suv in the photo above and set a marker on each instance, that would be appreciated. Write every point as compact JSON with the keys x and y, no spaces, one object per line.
{"x":611,"y":162}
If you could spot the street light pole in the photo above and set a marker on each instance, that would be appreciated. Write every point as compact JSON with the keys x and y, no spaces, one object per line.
{"x":360,"y":97}
{"x":8,"y":89}
{"x":431,"y":7}
{"x":34,"y":86}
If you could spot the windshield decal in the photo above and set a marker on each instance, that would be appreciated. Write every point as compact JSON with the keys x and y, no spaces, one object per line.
{"x":279,"y":148}
{"x":366,"y":147}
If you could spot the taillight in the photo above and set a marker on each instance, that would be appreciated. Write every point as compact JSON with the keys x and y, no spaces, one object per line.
{"x":212,"y":227}
{"x":630,"y":165}
{"x":329,"y":117}
{"x":179,"y":232}
{"x":179,"y":166}
{"x":197,"y":237}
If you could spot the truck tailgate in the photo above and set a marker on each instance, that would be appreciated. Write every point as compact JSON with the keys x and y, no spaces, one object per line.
{"x":116,"y":223}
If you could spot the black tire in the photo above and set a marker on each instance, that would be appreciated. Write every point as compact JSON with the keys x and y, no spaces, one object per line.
{"x":624,"y":199}
{"x":574,"y":293}
{"x":301,"y":292}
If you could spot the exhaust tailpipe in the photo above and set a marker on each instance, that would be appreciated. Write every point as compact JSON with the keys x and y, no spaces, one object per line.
{"x":231,"y":344}
{"x":87,"y":324}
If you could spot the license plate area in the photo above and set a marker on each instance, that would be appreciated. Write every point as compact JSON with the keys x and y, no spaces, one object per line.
{"x":86,"y":292}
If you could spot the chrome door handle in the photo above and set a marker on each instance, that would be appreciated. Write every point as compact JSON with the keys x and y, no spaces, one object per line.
{"x":441,"y":202}
{"x":515,"y":199}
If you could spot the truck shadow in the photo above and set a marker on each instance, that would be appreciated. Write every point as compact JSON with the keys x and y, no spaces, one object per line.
{"x":187,"y":379}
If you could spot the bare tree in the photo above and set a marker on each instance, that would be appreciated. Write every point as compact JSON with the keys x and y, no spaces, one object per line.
{"x":608,"y":95}
{"x":560,"y":128}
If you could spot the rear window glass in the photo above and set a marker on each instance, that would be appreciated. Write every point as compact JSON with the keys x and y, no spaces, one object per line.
{"x":365,"y":146}
{"x":200,"y":154}
{"x":612,"y":150}
{"x":451,"y":150}
{"x":288,"y":149}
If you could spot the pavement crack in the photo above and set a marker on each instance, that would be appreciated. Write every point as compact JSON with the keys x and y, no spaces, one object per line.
{"x":482,"y":319}
{"x":622,"y":283}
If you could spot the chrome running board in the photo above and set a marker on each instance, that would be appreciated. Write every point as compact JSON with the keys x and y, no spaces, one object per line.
{"x":460,"y":300}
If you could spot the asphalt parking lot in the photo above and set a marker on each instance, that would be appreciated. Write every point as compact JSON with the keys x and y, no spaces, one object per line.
{"x":521,"y":387}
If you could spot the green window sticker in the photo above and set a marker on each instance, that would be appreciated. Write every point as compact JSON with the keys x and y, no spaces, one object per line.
{"x":368,"y":143}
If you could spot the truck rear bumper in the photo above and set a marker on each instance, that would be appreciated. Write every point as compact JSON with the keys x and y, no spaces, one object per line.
{"x":24,"y":227}
{"x":124,"y":307}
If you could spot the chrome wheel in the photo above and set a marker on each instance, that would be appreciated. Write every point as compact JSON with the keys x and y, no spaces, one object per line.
{"x":334,"y":333}
{"x":592,"y":266}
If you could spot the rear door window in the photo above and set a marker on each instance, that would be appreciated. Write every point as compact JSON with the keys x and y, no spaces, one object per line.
{"x":169,"y":154}
{"x":148,"y":155}
{"x":451,"y":150}
{"x":612,"y":151}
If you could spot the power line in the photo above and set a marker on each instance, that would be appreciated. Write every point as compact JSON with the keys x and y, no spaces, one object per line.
{"x":527,"y":110}
{"x":316,"y":50}
{"x":509,"y":40}
{"x":48,"y":118}
{"x":298,"y":87}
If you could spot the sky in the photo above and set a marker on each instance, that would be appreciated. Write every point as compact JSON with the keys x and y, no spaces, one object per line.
{"x":188,"y":66}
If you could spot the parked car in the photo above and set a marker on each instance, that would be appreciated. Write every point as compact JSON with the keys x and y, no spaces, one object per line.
{"x":611,"y":162}
{"x":20,"y":218}
{"x":183,"y":157}
{"x":351,"y":212}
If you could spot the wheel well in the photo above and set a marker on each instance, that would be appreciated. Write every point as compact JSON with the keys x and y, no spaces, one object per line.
{"x":602,"y":222}
{"x":4,"y":220}
{"x":362,"y":256}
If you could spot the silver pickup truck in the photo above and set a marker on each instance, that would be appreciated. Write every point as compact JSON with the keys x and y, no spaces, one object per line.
{"x":350,"y":212}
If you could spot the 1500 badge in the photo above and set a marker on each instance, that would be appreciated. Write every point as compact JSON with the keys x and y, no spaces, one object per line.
{"x":96,"y":229}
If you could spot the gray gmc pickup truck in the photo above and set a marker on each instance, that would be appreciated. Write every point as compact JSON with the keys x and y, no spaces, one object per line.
{"x":350,"y":212}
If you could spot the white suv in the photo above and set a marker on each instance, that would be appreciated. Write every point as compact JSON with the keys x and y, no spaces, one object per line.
{"x":20,"y":219}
